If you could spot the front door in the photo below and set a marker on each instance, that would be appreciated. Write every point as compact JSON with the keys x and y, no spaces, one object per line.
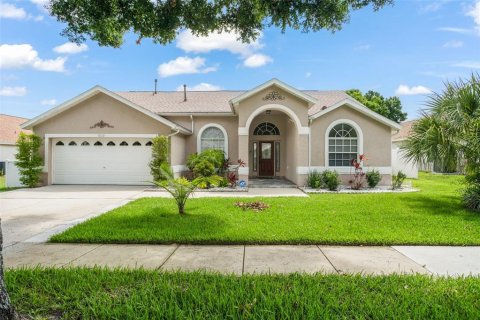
{"x":266,"y":159}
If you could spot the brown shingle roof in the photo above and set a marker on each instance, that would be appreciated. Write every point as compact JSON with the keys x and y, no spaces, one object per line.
{"x":404,"y":132}
{"x":10,"y":128}
{"x":211,"y":101}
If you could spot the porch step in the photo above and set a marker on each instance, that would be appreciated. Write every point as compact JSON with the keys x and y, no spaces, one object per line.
{"x":270,"y":183}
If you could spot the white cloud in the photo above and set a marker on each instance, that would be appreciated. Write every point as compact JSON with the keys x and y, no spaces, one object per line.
{"x":456,"y":30}
{"x":10,"y":11}
{"x":13,"y":91}
{"x":404,"y":90}
{"x":453,"y":44}
{"x":18,"y":56}
{"x":203,"y":86}
{"x":70,"y":48}
{"x":184,"y":65}
{"x":227,"y":41}
{"x":363,"y":47}
{"x":468,"y":64}
{"x":257,"y":60}
{"x":48,"y":102}
{"x":474,"y":12}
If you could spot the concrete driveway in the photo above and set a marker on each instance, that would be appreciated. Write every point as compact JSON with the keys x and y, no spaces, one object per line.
{"x":32,"y":215}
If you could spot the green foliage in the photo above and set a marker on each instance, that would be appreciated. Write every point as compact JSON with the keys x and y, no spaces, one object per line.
{"x":205,"y":182}
{"x":314,"y":179}
{"x":331,"y":179}
{"x":373,"y":178}
{"x":224,"y":183}
{"x":107,"y":22}
{"x":471,"y":197}
{"x":449,"y":129}
{"x":206,"y":163}
{"x":398,"y":179}
{"x":388,"y":107}
{"x":180,"y":188}
{"x":160,"y":157}
{"x":333,"y":218}
{"x":29,"y":161}
{"x":204,"y":168}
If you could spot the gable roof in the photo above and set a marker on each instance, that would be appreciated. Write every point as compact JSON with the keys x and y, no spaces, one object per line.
{"x":404,"y":132}
{"x":274,"y":82}
{"x":92,"y":92}
{"x":354,"y":104}
{"x":10,"y":128}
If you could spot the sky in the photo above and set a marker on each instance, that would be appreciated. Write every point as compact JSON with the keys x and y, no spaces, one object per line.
{"x":407,"y":50}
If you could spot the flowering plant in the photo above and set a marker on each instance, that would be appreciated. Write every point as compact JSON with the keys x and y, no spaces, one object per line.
{"x":358,"y":178}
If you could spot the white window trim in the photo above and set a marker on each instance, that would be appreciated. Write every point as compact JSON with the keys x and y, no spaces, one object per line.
{"x":208,"y":125}
{"x":359,"y":138}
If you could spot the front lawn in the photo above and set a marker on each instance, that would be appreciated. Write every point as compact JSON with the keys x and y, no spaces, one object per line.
{"x":433,"y":216}
{"x":138,"y":294}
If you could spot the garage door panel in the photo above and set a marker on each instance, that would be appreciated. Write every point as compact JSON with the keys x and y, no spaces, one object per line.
{"x":90,"y":164}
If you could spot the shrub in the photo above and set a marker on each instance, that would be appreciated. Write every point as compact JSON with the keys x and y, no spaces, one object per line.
{"x":204,"y":168}
{"x":214,"y":156}
{"x":224,"y":183}
{"x":331,"y":179}
{"x":192,"y":160}
{"x":208,"y":181}
{"x":397,"y":179}
{"x":373,"y":178}
{"x":160,"y":146}
{"x":29,"y":161}
{"x":197,"y":162}
{"x":471,"y":197}
{"x":314,"y":179}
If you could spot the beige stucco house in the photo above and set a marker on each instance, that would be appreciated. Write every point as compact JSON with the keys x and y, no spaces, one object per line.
{"x":103,"y":137}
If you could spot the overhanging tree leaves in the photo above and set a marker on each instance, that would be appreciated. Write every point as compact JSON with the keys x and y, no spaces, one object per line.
{"x":107,"y":21}
{"x":388,"y":107}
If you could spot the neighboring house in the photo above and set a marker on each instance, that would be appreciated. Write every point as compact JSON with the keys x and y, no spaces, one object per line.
{"x":9,"y":131}
{"x":399,"y":162}
{"x":104,"y":137}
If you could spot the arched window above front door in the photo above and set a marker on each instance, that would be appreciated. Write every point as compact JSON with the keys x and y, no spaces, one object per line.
{"x":212,"y":137}
{"x":266,"y":129}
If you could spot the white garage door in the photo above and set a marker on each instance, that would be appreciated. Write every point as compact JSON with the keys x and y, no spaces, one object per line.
{"x":101,"y":161}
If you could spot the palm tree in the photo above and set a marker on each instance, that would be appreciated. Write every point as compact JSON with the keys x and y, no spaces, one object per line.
{"x":449,"y":129}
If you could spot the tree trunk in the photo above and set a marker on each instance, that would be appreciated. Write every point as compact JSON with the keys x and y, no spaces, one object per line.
{"x":6,"y":309}
{"x":181,"y":208}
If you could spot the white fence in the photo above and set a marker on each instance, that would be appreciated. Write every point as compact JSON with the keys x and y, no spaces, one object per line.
{"x":12,"y":176}
{"x":399,"y":163}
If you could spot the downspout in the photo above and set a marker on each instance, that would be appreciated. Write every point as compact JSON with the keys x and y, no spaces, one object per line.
{"x":191,"y":119}
{"x":309,"y":144}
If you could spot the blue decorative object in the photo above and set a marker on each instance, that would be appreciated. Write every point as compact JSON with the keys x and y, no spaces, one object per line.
{"x":242,"y":183}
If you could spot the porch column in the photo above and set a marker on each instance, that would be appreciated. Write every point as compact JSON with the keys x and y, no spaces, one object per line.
{"x":243,"y":154}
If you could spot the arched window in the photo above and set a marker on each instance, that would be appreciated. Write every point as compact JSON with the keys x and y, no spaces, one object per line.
{"x":136,"y":144}
{"x":124,"y":143}
{"x":149,"y":143}
{"x":85,"y":143}
{"x":72,"y":143}
{"x":98,"y":143}
{"x":266,"y":129}
{"x":212,"y":137}
{"x":59,"y":143}
{"x":342,"y":145}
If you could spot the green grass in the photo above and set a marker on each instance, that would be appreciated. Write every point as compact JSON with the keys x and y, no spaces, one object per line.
{"x":140,"y":294}
{"x":433,"y":216}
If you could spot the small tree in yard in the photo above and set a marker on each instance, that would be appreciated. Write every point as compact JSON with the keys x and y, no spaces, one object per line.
{"x":160,"y":146}
{"x":29,"y":161}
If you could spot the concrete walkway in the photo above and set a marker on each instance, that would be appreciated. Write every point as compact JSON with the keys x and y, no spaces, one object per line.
{"x":240,"y":259}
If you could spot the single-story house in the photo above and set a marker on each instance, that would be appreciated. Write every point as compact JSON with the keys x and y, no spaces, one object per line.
{"x":399,"y":162}
{"x":104,"y":137}
{"x":9,"y":131}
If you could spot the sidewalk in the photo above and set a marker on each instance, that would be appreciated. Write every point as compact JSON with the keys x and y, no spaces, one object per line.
{"x":239,"y":259}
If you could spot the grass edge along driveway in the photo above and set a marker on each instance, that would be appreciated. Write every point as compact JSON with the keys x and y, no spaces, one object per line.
{"x":433,"y":216}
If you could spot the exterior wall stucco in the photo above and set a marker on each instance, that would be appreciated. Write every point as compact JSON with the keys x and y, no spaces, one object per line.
{"x":376,"y":137}
{"x":79,"y":119}
{"x":229,"y":123}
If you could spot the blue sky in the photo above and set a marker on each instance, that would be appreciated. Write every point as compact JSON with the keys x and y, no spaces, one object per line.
{"x":405,"y":50}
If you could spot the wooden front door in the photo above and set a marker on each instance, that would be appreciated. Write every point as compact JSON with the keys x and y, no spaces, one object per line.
{"x":266,"y":163}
